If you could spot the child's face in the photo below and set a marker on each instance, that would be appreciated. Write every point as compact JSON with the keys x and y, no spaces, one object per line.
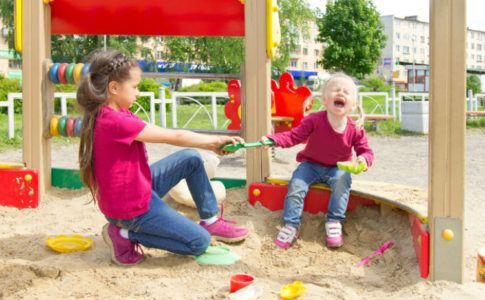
{"x":339,"y":96}
{"x":127,"y":91}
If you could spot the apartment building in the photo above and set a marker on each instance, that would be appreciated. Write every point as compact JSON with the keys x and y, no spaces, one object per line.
{"x":405,"y":59}
{"x":303,"y":61}
{"x":10,"y":65}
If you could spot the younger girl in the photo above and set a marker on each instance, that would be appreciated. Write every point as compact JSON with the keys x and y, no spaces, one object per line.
{"x":331,"y":135}
{"x":114,"y":165}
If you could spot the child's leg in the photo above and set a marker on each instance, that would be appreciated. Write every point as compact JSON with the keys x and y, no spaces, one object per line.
{"x":185,"y":164}
{"x":340,"y":182}
{"x":306,"y":174}
{"x":164,"y":228}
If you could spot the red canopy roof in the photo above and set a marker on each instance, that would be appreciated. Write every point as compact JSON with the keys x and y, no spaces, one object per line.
{"x":148,"y":17}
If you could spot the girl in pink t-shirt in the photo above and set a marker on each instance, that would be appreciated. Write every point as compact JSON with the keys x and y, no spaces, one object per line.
{"x":330,"y":136}
{"x":114,"y":166}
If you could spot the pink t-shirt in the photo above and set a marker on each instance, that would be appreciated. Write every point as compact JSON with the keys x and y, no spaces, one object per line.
{"x":324,"y":145}
{"x":121,"y":165}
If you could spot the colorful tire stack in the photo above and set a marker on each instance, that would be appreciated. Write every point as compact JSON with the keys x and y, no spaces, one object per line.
{"x":63,"y":73}
{"x":65,"y":126}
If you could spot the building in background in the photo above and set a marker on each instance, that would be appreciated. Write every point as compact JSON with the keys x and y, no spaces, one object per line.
{"x":405,"y":59}
{"x":303,"y":61}
{"x":10,"y":62}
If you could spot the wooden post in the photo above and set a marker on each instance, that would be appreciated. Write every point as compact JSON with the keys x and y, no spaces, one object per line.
{"x":36,"y":39}
{"x":447,"y":137}
{"x":257,"y":74}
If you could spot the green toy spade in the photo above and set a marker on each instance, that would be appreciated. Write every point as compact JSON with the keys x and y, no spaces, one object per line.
{"x":230,"y":147}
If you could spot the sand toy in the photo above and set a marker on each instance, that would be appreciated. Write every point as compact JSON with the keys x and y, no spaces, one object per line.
{"x":71,"y":243}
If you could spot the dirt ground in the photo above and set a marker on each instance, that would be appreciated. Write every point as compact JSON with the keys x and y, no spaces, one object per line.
{"x":29,"y":270}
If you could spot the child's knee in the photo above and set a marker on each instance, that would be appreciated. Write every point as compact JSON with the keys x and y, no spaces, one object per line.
{"x":193,"y":156}
{"x":342,"y":179}
{"x":199,"y":245}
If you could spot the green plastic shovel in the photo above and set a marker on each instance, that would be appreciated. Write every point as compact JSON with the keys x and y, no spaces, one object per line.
{"x":230,"y":147}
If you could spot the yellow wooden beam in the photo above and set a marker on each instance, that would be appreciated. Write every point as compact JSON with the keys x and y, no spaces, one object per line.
{"x":37,"y":92}
{"x":256,"y":85}
{"x":447,"y":136}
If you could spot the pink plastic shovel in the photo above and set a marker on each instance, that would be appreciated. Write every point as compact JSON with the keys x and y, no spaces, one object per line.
{"x":381,"y":250}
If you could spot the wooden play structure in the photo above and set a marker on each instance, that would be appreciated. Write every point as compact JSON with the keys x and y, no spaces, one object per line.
{"x":251,"y":19}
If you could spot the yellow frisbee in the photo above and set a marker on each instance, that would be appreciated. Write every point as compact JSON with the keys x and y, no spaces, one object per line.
{"x":71,"y":243}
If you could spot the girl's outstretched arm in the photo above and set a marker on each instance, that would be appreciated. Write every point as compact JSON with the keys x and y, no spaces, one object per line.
{"x":184,"y":138}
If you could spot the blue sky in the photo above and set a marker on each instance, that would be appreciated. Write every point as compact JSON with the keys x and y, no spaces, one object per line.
{"x":400,"y":8}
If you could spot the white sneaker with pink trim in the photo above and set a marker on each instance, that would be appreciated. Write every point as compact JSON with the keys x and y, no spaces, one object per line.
{"x":334,"y":238}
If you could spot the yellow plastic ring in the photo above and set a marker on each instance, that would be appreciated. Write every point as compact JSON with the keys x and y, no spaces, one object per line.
{"x":53,"y":126}
{"x":77,"y":73}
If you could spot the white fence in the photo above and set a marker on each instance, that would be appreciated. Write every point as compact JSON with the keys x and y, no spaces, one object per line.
{"x":63,"y":98}
{"x":391,"y":104}
{"x":190,"y":96}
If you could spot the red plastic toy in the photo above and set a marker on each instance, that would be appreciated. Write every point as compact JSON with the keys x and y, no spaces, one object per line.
{"x":19,"y":188}
{"x":287,"y":103}
{"x":232,"y":109}
{"x":290,"y":101}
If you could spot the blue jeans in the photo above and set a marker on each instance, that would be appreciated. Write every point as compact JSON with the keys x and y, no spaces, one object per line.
{"x":308,"y":173}
{"x":161,"y":226}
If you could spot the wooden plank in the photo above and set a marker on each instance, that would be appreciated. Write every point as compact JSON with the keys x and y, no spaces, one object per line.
{"x":256,"y":117}
{"x":36,"y":45}
{"x":447,"y":126}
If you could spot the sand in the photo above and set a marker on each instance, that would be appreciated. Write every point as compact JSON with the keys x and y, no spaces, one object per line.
{"x":29,"y":270}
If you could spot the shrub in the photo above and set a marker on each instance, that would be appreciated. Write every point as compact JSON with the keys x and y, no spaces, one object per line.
{"x":9,"y":86}
{"x":215,"y":86}
{"x":148,"y":85}
{"x":376,"y":84}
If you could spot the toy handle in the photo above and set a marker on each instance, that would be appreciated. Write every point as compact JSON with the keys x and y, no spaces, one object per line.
{"x":230,"y":147}
{"x":259,"y":144}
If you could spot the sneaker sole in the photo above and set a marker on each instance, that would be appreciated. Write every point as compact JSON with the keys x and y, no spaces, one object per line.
{"x":282,"y":246}
{"x":108,"y":242}
{"x":334,"y":246}
{"x":230,"y":240}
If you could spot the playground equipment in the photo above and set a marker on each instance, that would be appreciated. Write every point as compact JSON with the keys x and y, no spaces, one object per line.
{"x":64,"y":73}
{"x":288,"y":104}
{"x":232,"y":18}
{"x":19,"y":186}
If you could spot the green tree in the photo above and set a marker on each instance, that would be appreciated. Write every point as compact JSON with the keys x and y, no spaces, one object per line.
{"x":354,"y":36}
{"x":473,"y":83}
{"x":6,"y":13}
{"x":227,"y":53}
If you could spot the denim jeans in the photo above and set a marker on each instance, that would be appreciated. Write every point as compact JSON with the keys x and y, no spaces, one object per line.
{"x":308,"y":173}
{"x":161,"y":226}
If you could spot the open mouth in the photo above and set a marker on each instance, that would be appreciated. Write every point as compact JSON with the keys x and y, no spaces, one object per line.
{"x":339,"y":103}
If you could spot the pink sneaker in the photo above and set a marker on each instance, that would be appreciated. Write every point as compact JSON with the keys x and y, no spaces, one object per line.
{"x":224,"y":230}
{"x":335,"y":238}
{"x":286,"y":237}
{"x":123,"y":252}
